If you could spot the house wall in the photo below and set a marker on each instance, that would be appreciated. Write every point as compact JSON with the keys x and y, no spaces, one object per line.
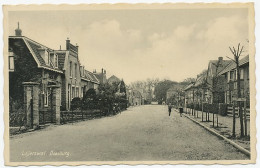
{"x":72,"y":87}
{"x":23,"y":63}
{"x":230,"y":86}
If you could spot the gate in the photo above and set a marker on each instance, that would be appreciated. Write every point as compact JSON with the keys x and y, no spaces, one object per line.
{"x":51,"y":114}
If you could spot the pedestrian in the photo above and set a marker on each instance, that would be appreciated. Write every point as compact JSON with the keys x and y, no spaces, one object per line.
{"x":169,"y":108}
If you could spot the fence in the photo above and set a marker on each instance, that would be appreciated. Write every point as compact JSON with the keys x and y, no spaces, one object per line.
{"x":210,"y":108}
{"x":224,"y":110}
{"x":230,"y":111}
{"x":71,"y":116}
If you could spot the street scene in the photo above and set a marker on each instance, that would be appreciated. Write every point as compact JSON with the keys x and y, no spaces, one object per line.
{"x":139,"y":133}
{"x":140,"y":84}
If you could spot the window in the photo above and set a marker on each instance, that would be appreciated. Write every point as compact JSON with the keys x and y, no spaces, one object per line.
{"x":52,"y":59}
{"x":228,"y":97}
{"x":77,"y":91}
{"x":235,"y":85}
{"x":73,"y":92}
{"x":46,"y":92}
{"x":69,"y":95}
{"x":82,"y":91}
{"x":242,"y":93}
{"x":241,"y":73}
{"x":75,"y":70}
{"x":56,"y":60}
{"x":70,"y":69}
{"x":231,"y":75}
{"x":47,"y":55}
{"x":11,"y":60}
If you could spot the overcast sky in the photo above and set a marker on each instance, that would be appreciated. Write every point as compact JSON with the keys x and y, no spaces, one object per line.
{"x":139,"y":44}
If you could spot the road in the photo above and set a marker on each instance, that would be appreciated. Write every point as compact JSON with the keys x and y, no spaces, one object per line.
{"x":142,"y":133}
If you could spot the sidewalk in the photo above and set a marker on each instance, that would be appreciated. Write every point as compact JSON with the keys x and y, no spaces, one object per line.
{"x":224,"y":126}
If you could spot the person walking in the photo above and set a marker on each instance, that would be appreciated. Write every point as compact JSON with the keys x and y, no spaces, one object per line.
{"x":181,"y":109}
{"x":169,"y":108}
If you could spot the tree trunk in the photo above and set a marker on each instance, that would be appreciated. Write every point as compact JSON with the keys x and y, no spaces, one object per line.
{"x":234,"y":121}
{"x":239,"y":104}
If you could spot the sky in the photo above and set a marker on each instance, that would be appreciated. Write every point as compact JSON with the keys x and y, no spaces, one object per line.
{"x":138,"y":44}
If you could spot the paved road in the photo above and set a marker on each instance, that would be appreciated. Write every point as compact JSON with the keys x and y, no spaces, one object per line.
{"x":140,"y":133}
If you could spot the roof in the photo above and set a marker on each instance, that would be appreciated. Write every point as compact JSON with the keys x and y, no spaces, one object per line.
{"x":232,"y":65}
{"x":113,"y":78}
{"x":212,"y":66}
{"x":188,"y":87}
{"x":200,"y":80}
{"x":89,"y":76}
{"x":34,"y":48}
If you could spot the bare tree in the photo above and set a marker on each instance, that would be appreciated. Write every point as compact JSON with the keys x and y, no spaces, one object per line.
{"x":237,"y":53}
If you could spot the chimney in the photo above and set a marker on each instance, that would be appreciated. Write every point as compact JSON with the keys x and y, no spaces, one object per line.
{"x":220,"y":60}
{"x":102,"y":70}
{"x":18,"y":31}
{"x":68,"y":44}
{"x":60,"y":47}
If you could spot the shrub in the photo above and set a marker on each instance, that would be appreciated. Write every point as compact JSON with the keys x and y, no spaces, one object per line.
{"x":76,"y":103}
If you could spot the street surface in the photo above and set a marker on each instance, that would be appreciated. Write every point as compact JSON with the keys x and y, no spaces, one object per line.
{"x":140,"y":133}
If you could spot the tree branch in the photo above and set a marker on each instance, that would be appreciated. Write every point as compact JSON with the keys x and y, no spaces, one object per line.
{"x":232,"y":51}
{"x":241,"y":51}
{"x":238,"y":49}
{"x":231,"y":59}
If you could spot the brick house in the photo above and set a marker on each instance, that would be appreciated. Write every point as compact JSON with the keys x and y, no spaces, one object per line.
{"x":77,"y":79}
{"x":30,"y":61}
{"x":214,"y":93}
{"x":229,"y":77}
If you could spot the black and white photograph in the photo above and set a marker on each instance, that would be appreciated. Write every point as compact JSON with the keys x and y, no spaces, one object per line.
{"x":129,"y":84}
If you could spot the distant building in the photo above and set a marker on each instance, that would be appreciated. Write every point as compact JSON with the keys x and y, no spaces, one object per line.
{"x":101,"y":76}
{"x":134,"y":97}
{"x":113,"y":79}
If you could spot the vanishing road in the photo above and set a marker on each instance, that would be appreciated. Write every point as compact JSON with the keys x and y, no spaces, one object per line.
{"x":140,"y":133}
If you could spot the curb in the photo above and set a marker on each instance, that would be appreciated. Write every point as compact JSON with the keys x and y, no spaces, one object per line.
{"x":240,"y":148}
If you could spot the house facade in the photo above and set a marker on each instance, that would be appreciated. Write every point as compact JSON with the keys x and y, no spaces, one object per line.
{"x":214,"y":93}
{"x":26,"y":55}
{"x":229,"y":78}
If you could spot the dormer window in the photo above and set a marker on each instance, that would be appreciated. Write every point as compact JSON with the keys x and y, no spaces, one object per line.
{"x":11,"y":61}
{"x":53,"y":59}
{"x":45,"y":55}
